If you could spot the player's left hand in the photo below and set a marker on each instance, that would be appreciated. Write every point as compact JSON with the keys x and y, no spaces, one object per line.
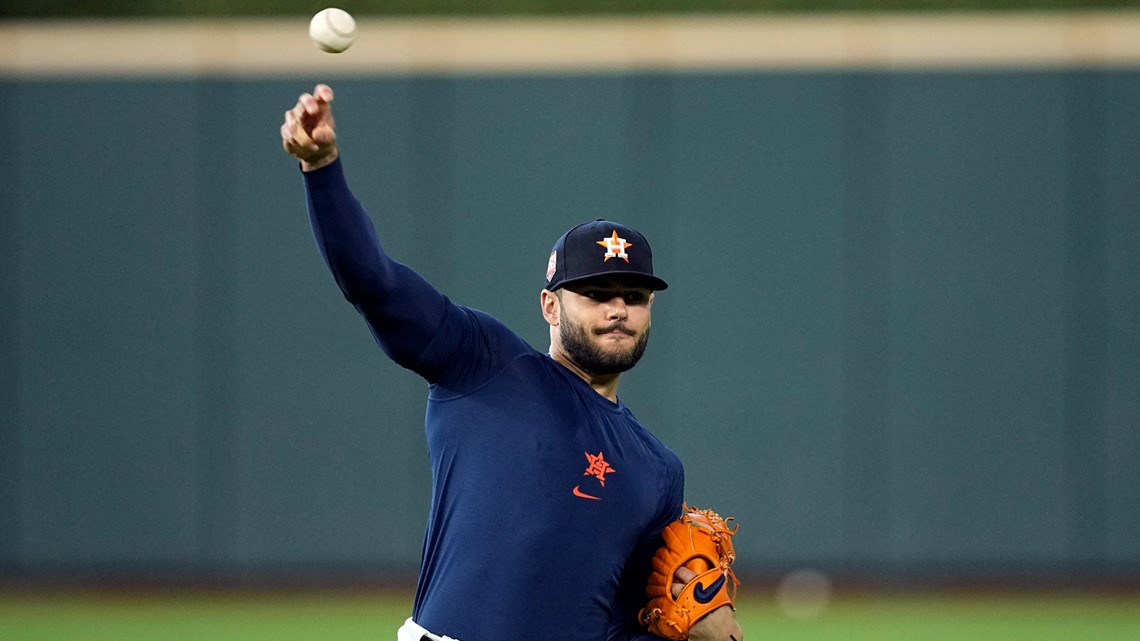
{"x":691,"y":585}
{"x":718,"y":625}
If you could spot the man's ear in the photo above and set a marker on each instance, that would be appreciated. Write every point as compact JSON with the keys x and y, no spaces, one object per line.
{"x":551,"y":307}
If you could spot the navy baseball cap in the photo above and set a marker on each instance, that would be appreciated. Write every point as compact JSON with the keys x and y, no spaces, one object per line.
{"x":601,"y":248}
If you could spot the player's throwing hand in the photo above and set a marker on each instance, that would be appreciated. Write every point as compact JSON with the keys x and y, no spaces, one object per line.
{"x":309,"y":132}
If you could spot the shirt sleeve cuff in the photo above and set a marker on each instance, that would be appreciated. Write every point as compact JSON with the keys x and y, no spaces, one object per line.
{"x":330,"y":174}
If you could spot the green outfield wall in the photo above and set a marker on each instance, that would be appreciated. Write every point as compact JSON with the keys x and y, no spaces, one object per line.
{"x":900,"y":342}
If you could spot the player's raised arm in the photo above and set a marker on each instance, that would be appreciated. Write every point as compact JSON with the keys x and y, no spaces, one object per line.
{"x":309,"y":131}
{"x":403,"y":310}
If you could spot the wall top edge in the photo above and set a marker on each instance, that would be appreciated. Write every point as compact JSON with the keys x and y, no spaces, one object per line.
{"x":543,"y":45}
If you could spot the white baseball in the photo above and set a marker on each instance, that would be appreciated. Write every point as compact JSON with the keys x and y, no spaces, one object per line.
{"x":332,"y":30}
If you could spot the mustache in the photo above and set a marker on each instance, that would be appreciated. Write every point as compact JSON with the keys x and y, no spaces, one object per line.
{"x":618,"y":326}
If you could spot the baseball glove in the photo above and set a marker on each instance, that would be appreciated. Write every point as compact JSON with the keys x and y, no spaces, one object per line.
{"x":701,"y":541}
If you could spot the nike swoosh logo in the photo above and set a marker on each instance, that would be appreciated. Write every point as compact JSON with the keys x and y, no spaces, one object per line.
{"x":703,"y":594}
{"x":582,"y":494}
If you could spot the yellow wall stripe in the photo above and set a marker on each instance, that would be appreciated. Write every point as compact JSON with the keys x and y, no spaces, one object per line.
{"x":521,"y":45}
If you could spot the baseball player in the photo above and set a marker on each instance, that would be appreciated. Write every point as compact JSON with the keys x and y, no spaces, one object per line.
{"x":549,"y":498}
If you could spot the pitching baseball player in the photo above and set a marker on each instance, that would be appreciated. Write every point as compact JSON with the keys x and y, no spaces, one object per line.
{"x":549,"y":498}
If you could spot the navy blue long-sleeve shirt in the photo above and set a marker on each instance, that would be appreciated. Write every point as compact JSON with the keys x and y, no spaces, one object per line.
{"x":547,"y":499}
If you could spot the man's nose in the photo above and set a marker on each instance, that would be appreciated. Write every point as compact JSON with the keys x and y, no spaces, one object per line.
{"x":617,"y":308}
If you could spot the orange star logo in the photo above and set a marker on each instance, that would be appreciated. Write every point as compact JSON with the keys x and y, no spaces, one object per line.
{"x":598,"y":467}
{"x":615,"y":247}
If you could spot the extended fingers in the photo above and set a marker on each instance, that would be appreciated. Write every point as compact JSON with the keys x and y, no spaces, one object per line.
{"x":294,"y":134}
{"x":316,"y":102}
{"x":309,"y":103}
{"x":307,"y":130}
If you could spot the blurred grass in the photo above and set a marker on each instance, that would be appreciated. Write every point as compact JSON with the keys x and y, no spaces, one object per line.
{"x":201,"y":616}
{"x":958,"y":617}
{"x":350,"y":616}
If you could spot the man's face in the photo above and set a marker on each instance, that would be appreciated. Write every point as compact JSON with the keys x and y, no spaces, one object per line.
{"x":604,"y":324}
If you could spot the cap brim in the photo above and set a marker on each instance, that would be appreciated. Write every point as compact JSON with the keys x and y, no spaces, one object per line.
{"x":654,"y":283}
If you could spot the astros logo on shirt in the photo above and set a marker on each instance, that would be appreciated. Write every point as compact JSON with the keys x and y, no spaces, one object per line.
{"x":598,"y":468}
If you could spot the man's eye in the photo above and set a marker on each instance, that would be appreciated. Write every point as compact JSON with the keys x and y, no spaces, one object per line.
{"x":603,"y":295}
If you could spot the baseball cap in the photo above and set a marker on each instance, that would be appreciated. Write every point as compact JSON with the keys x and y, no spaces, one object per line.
{"x":601,"y":248}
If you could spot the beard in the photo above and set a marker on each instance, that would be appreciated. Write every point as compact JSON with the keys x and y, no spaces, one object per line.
{"x":592,"y":358}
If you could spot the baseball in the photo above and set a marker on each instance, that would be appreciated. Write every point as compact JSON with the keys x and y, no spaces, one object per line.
{"x":332,"y":30}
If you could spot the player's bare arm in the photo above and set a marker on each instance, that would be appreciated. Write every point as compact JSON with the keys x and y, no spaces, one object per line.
{"x":309,"y":131}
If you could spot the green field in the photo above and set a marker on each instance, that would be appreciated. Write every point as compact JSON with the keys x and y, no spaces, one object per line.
{"x":345,"y":616}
